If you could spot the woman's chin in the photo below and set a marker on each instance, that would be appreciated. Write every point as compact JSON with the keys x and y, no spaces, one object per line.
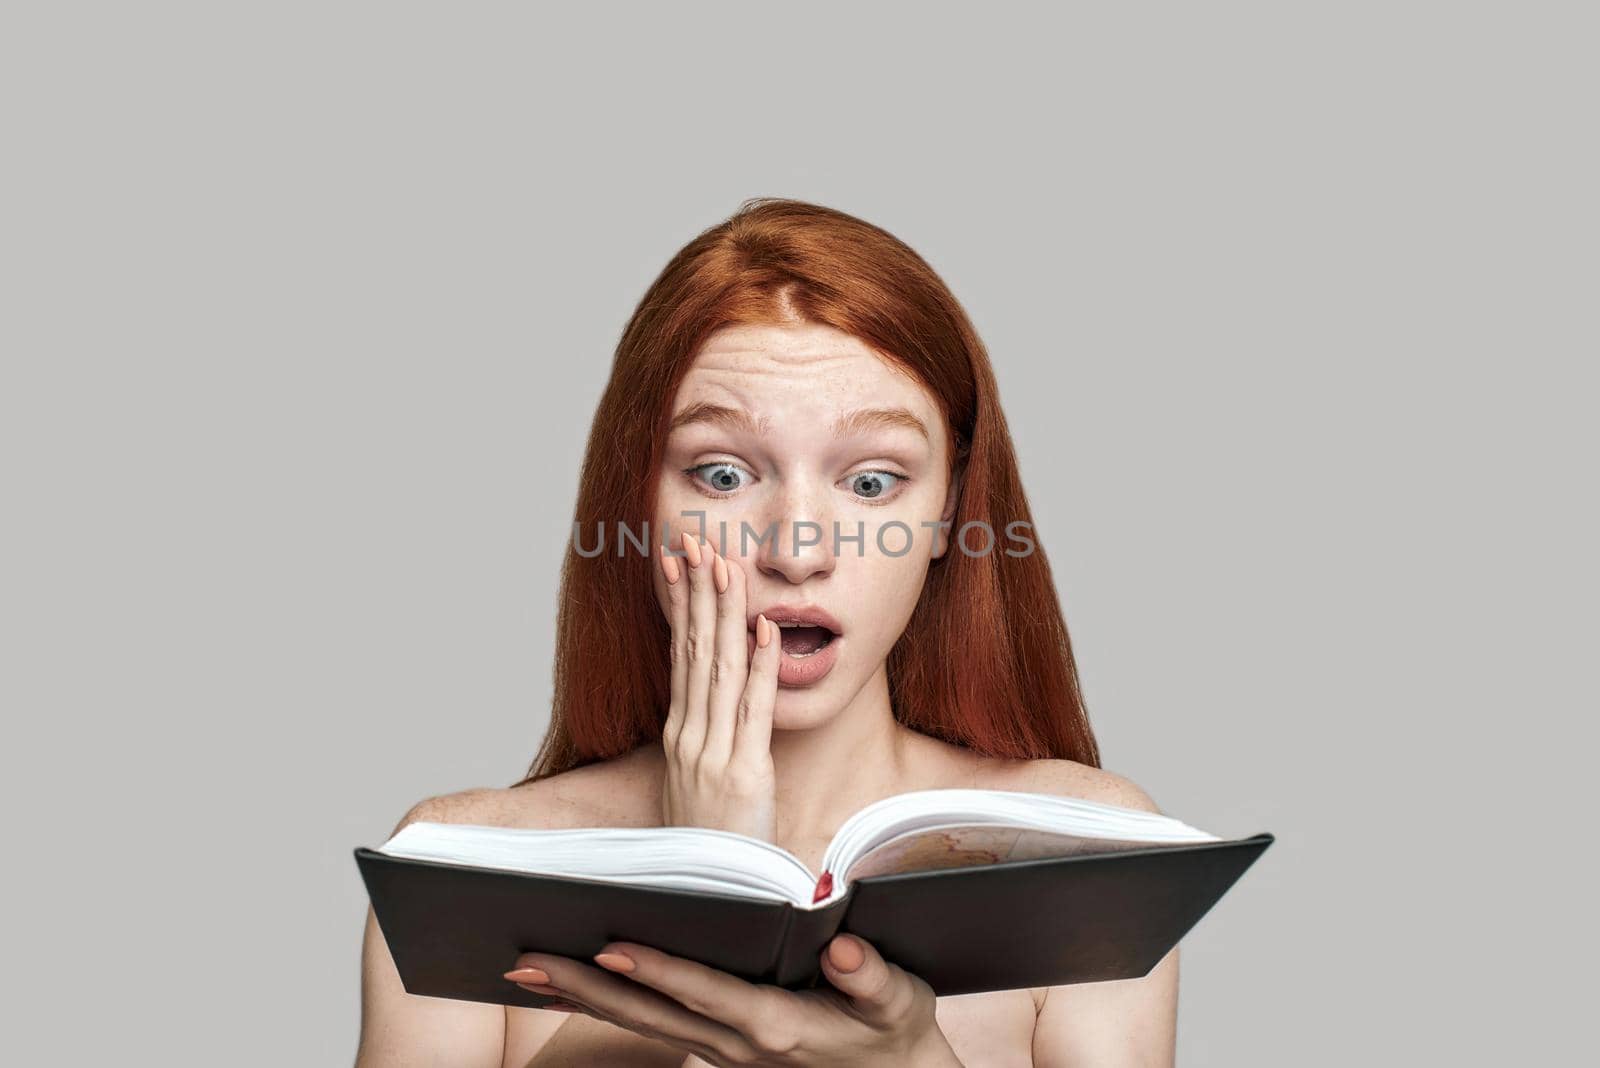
{"x":801,"y":710}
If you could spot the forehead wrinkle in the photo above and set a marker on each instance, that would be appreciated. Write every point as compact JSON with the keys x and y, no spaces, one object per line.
{"x":762,"y":364}
{"x":729,"y":375}
{"x":845,"y":424}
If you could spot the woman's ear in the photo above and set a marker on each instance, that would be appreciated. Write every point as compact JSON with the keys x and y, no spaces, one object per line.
{"x":952,"y":497}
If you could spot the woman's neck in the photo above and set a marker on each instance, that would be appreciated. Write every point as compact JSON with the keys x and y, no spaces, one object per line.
{"x":827,"y":773}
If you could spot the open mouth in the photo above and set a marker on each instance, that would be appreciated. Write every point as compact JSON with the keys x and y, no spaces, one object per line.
{"x":808,"y":639}
{"x":801,"y":640}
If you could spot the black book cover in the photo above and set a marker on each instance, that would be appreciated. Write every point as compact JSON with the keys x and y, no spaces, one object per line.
{"x":453,"y":930}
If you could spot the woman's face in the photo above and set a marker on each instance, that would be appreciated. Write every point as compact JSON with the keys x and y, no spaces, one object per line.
{"x":808,"y":438}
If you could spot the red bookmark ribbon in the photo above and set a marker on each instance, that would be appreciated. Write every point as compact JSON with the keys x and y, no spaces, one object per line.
{"x":824,"y":887}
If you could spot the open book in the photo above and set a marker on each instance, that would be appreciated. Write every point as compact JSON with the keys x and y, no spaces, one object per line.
{"x":969,"y":889}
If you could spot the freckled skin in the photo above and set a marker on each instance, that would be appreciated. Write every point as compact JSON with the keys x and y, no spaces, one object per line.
{"x":799,"y":379}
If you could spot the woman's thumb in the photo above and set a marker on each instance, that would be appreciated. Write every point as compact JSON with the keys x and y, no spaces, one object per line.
{"x":856,"y":969}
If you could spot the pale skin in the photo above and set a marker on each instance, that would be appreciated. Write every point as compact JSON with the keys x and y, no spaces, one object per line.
{"x":787,"y":763}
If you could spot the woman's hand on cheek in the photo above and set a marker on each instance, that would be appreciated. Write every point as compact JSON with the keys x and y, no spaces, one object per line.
{"x":718,"y":732}
{"x":874,"y":1014}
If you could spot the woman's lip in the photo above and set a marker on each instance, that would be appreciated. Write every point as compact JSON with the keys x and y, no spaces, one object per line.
{"x":807,"y":615}
{"x":806,"y":670}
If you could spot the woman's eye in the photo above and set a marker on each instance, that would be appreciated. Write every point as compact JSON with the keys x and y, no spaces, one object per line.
{"x":721,"y":477}
{"x":874,"y":484}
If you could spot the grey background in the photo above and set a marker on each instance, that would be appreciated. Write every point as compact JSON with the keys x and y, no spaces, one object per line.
{"x":307,"y":308}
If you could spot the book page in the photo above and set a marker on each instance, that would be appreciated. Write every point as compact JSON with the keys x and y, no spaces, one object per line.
{"x":934,"y":848}
{"x":696,"y":859}
{"x":989,"y":827}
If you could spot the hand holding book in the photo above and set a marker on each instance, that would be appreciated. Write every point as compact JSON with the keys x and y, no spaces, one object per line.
{"x":873,"y":1013}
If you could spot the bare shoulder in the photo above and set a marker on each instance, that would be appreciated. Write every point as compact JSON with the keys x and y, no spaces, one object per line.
{"x":1067,"y":778}
{"x":944,"y":764}
{"x":622,"y":792}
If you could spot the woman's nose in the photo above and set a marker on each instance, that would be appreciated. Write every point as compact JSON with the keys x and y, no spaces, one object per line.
{"x":799,"y":547}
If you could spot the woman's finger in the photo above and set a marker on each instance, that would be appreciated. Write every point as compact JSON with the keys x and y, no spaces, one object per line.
{"x":878,"y":991}
{"x":700,"y":640}
{"x":752,"y":740}
{"x":732,"y":661}
{"x":672,"y":569}
{"x":628,"y":1003}
{"x":747,"y":1011}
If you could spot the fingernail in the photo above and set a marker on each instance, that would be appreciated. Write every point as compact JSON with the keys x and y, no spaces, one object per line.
{"x":719,"y":571}
{"x":528,"y":975}
{"x":616,"y":962}
{"x":846,"y":954}
{"x":691,"y":549}
{"x":763,"y":639}
{"x":669,"y":568}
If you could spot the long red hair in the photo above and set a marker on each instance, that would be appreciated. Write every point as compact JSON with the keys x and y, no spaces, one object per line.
{"x":985,"y":661}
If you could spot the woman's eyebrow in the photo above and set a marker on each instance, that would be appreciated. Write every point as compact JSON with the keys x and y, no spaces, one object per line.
{"x":718,"y":415}
{"x":862,"y":419}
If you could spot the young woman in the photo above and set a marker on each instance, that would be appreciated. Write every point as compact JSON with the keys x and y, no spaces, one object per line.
{"x":841,"y":600}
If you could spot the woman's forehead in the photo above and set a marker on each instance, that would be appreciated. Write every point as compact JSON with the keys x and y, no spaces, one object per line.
{"x":773,"y":372}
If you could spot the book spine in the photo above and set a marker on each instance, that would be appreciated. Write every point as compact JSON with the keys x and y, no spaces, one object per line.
{"x":799,"y":964}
